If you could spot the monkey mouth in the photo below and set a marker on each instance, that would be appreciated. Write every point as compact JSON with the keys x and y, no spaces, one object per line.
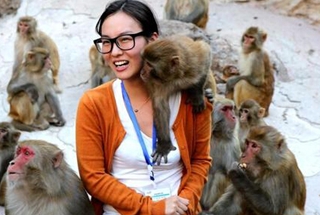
{"x":12,"y":176}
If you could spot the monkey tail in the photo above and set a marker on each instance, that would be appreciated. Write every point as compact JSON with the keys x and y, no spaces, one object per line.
{"x":22,"y":127}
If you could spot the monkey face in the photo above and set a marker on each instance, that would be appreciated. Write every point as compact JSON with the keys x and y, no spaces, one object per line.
{"x":243,"y":115}
{"x":23,"y":28}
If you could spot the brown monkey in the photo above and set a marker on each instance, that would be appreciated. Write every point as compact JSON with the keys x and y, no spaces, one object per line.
{"x":9,"y":137}
{"x":224,"y":151}
{"x":250,"y":114}
{"x":39,"y":181}
{"x":267,"y":181}
{"x":30,"y":90}
{"x":28,"y":37}
{"x":229,"y":71}
{"x":256,"y":79}
{"x":101,"y":72}
{"x":194,"y":11}
{"x":172,"y":64}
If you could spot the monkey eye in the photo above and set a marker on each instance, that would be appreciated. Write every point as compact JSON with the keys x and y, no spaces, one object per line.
{"x":254,"y":145}
{"x":2,"y":130}
{"x":18,"y":151}
{"x":245,"y":111}
{"x":26,"y":152}
{"x":249,"y":36}
{"x":224,"y":108}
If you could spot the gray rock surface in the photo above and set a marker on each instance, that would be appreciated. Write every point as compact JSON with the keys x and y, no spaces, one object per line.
{"x":292,"y":43}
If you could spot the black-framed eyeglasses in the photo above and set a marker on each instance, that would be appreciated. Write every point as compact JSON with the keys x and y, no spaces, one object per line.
{"x":124,"y":42}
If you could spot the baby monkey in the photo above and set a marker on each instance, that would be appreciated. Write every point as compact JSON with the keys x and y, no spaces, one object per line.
{"x":172,"y":64}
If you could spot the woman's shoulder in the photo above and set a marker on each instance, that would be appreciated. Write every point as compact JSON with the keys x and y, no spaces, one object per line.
{"x":100,"y":94}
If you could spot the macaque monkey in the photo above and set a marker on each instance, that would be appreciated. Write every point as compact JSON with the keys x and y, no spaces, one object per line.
{"x":30,"y":90}
{"x":101,"y":72}
{"x":224,"y":150}
{"x":28,"y":37}
{"x":250,"y":114}
{"x":227,"y":72}
{"x":256,"y":79}
{"x":267,"y":181}
{"x":39,"y":181}
{"x":9,"y":137}
{"x":194,"y":11}
{"x":172,"y":64}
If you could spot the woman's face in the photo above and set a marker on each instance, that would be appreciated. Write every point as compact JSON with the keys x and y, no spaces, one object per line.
{"x":125,"y":64}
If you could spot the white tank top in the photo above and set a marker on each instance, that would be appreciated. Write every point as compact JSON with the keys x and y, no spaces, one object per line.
{"x":129,"y":165}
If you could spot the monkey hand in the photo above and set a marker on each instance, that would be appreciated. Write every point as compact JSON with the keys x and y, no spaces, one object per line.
{"x":32,"y":92}
{"x":231,"y":82}
{"x":238,"y":177}
{"x":209,"y":94}
{"x":198,"y":104}
{"x":162,"y":150}
{"x":59,"y":123}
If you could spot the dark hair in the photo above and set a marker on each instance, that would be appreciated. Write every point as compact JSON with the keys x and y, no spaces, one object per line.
{"x":137,"y":10}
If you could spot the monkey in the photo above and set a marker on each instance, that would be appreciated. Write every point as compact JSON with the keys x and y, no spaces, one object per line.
{"x":172,"y":64}
{"x":101,"y":72}
{"x":266,"y":181}
{"x":30,"y":90}
{"x":229,"y":71}
{"x":250,"y":114}
{"x":224,"y":150}
{"x":9,"y":137}
{"x":28,"y":37}
{"x":39,"y":181}
{"x":256,"y":80}
{"x":194,"y":11}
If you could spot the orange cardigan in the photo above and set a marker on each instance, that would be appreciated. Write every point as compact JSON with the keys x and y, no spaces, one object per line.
{"x":99,"y":133}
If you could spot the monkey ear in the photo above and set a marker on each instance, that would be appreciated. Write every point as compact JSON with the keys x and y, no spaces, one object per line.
{"x":16,"y":136}
{"x":280,"y":144}
{"x":57,"y":159}
{"x":30,"y":55}
{"x":264,"y":36}
{"x":175,"y":61}
{"x":261,"y":112}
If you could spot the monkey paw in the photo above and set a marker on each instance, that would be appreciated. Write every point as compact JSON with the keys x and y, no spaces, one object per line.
{"x":58,"y":123}
{"x":198,"y":107}
{"x":57,"y":89}
{"x":162,"y":150}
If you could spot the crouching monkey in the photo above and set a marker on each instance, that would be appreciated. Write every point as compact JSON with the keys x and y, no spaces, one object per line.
{"x":267,"y":181}
{"x":9,"y":137}
{"x":172,"y":64}
{"x":28,"y":37}
{"x":256,"y":79}
{"x":31,"y":94}
{"x":194,"y":11}
{"x":39,"y":182}
{"x":225,"y":150}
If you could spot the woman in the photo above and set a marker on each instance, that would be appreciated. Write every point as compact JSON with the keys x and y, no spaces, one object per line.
{"x":113,"y":154}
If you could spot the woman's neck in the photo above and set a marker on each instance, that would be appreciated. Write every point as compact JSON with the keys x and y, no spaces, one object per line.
{"x":136,"y":89}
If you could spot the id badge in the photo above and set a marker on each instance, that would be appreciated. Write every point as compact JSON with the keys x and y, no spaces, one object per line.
{"x":158,"y":194}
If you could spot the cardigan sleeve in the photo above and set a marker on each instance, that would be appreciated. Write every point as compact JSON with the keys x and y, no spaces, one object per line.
{"x":200,"y":160}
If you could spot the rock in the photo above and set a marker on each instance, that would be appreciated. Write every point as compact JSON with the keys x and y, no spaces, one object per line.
{"x":9,"y":7}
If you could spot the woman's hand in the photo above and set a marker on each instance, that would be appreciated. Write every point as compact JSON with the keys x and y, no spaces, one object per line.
{"x":176,"y":205}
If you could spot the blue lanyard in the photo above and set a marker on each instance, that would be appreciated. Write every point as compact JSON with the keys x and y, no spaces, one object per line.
{"x":138,"y":132}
